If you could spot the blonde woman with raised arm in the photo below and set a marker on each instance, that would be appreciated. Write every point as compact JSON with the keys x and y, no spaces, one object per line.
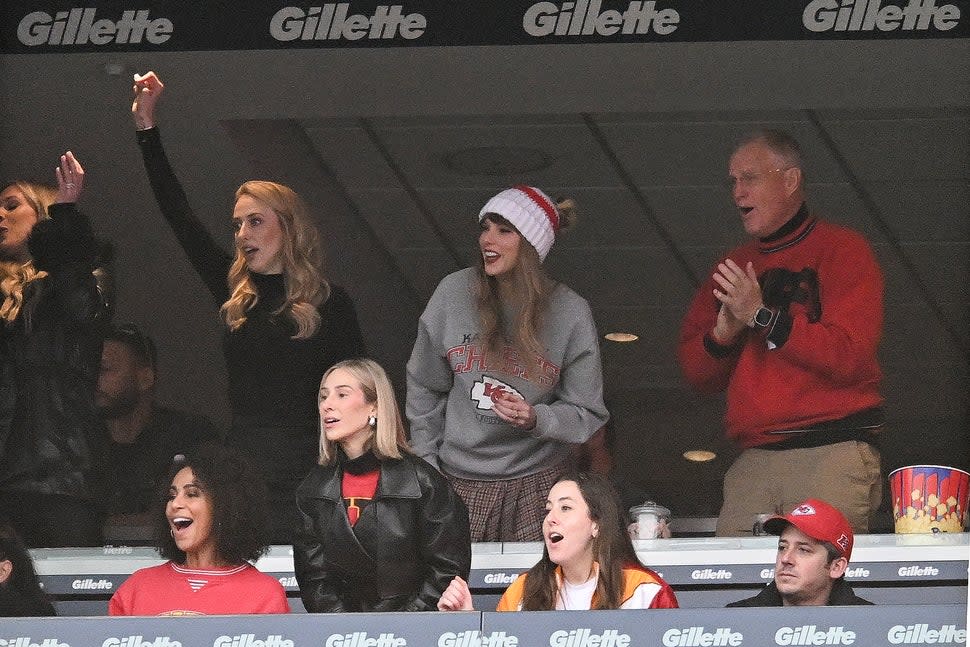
{"x":284,"y":322}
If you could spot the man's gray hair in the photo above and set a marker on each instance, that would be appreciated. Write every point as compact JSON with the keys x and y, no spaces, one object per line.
{"x":780,"y":142}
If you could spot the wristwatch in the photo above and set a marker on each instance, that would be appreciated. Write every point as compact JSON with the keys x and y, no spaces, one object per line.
{"x":762,"y":318}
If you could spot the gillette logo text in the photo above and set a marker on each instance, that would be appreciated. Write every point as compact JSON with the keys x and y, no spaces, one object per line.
{"x":586,"y":17}
{"x":79,"y":27}
{"x":334,"y":22}
{"x":872,"y":15}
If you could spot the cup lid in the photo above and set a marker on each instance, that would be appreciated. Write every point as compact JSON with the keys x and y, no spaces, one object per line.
{"x":650,"y":506}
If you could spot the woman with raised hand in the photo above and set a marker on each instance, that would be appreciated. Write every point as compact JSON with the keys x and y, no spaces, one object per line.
{"x":210,"y":525}
{"x":588,"y":560}
{"x":382,"y":530}
{"x":284,"y":321}
{"x":51,"y":318}
{"x":505,"y":373}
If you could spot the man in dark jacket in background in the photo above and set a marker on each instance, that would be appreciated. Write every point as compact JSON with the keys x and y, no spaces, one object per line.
{"x":814,"y":547}
{"x":139,"y":438}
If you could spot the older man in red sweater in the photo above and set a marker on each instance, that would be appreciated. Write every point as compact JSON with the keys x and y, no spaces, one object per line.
{"x":788,"y":324}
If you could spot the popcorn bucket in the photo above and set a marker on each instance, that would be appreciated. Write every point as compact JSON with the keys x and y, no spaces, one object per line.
{"x":929,"y":498}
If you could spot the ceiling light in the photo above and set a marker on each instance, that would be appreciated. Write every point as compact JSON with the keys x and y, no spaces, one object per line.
{"x":621,"y":336}
{"x":699,"y":455}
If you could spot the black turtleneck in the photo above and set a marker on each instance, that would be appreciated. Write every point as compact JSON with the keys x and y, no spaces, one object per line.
{"x":366,"y":462}
{"x":273,"y":379}
{"x":790,"y":225}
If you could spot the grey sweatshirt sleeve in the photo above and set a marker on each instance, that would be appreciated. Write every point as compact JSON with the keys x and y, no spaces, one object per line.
{"x":577,"y":410}
{"x":429,"y":380}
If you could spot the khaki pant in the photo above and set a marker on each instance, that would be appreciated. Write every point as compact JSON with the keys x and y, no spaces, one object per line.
{"x":846,"y":475}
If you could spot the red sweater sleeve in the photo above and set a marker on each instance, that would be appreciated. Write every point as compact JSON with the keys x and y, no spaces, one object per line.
{"x":704,"y":371}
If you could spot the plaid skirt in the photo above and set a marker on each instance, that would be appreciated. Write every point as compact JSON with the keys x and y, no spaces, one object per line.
{"x":509,"y":510}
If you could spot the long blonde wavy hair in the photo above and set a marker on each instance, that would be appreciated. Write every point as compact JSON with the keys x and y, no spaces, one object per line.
{"x":389,"y":439}
{"x":14,"y":275}
{"x":529,"y":286}
{"x":302,"y":258}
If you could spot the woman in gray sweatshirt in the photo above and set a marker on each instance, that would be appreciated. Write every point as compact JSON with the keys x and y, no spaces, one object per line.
{"x":505,"y":373}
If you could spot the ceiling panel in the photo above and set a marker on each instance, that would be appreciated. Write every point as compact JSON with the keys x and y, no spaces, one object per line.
{"x":937,"y":210}
{"x":424,"y":268}
{"x":697,"y":215}
{"x":919,"y":335}
{"x":900,"y":285}
{"x":621,"y":276}
{"x":394,"y":217}
{"x":840,"y":203}
{"x":430,"y":156}
{"x":351,"y":156}
{"x":913,"y":149}
{"x":944,"y":269}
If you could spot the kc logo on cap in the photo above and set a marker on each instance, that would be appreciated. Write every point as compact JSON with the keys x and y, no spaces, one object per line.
{"x":820,"y":521}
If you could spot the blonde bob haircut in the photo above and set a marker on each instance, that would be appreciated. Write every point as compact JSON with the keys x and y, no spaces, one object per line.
{"x":14,"y":276}
{"x":302,"y":258}
{"x":388,"y":439}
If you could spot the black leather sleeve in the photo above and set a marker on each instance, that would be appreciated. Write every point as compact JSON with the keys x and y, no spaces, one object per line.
{"x":445,"y":539}
{"x":319,"y":586}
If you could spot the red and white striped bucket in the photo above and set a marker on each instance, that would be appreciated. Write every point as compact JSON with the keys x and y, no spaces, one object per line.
{"x":929,"y":498}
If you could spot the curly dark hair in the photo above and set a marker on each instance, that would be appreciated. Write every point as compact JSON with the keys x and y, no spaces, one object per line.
{"x":240,"y":512}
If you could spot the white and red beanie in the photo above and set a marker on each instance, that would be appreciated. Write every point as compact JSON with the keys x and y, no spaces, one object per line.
{"x":532,"y":212}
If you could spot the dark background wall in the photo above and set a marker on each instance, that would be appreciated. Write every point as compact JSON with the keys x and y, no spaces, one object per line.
{"x":396,"y":149}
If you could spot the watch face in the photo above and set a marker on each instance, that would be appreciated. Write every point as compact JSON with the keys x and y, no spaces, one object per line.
{"x":762,"y":317}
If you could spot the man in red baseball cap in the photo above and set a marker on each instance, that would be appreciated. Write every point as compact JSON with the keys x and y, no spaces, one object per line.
{"x":814,"y":547}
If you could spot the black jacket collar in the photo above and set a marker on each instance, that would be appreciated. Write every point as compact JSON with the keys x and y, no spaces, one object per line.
{"x":841,"y":595}
{"x":397,"y":481}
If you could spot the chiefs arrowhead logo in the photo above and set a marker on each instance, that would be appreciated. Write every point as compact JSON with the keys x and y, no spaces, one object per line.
{"x":486,"y":388}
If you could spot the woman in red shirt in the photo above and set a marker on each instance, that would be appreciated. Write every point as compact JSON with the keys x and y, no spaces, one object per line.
{"x":214,"y":523}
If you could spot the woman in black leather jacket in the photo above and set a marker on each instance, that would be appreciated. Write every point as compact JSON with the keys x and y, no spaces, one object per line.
{"x":51,"y":315}
{"x":382,"y":530}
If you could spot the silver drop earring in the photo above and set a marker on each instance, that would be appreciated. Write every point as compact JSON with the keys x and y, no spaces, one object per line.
{"x":372,"y":421}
